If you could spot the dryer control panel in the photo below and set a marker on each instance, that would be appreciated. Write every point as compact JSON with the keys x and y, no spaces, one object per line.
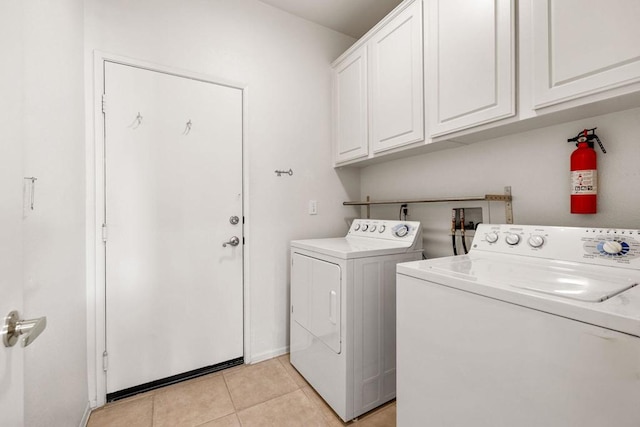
{"x":601,"y":246}
{"x":402,"y":231}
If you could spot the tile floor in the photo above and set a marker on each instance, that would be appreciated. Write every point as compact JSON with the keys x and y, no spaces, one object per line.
{"x":270,"y":393}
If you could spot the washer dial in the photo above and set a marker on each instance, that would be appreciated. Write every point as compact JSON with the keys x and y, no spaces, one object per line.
{"x":613,"y":247}
{"x":372,"y":228}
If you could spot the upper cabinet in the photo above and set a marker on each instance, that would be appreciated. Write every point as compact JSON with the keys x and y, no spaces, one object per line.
{"x":378,"y":96}
{"x":349,"y":108}
{"x":583,"y":47}
{"x":396,"y":79}
{"x":470,"y":77}
{"x":580,"y":58}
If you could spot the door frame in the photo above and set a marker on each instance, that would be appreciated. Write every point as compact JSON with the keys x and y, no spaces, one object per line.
{"x":95,"y":207}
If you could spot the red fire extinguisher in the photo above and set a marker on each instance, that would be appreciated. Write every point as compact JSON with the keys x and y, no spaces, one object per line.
{"x":584,"y":173}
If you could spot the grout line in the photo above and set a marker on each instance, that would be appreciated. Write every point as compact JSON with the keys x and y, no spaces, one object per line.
{"x":235,"y":408}
{"x":153,"y":409}
{"x":286,"y":370}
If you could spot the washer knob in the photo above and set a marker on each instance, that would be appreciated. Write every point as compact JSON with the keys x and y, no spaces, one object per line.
{"x":512,"y":239}
{"x":357,"y":226}
{"x":491,"y":237}
{"x":373,"y":228}
{"x":612,"y":247}
{"x":381,"y":229}
{"x":536,"y":241}
{"x":365,"y":227}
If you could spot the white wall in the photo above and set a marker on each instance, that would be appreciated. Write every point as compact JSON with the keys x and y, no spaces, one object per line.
{"x":284,"y":61}
{"x":53,"y":143}
{"x":535,"y":164}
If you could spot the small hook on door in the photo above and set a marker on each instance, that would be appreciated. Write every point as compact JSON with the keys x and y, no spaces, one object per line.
{"x":187,"y":129}
{"x":136,"y":122}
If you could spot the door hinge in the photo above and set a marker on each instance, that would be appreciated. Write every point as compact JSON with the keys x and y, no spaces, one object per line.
{"x":105,"y":361}
{"x":104,"y":103}
{"x":104,"y":233}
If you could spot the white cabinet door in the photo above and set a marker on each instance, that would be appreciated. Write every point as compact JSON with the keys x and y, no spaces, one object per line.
{"x":350,"y":136}
{"x":582,"y":47}
{"x":396,"y":81}
{"x":471,"y":63}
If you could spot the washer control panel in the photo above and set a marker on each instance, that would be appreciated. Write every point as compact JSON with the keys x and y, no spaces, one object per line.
{"x":386,"y":229}
{"x":602,"y":246}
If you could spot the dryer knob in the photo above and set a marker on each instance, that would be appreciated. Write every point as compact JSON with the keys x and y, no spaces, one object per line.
{"x":373,"y":228}
{"x":365,"y":227}
{"x":512,"y":239}
{"x":357,"y":226}
{"x":401,"y":230}
{"x":536,"y":241}
{"x":491,"y":237}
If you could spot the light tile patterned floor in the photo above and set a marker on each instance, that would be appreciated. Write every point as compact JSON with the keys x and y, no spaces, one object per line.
{"x":271,"y":393}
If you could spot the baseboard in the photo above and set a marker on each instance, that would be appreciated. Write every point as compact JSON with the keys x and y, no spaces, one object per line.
{"x":261,"y":357}
{"x":85,"y":417}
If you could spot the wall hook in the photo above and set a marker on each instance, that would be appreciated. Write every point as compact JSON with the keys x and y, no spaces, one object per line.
{"x":289,"y":172}
{"x":137,"y":122}
{"x":187,"y":129}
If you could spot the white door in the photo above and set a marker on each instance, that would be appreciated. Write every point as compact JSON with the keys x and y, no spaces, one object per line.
{"x":350,"y":110}
{"x":316,"y":296}
{"x":11,"y":179}
{"x":471,"y":63}
{"x":583,"y":47}
{"x":396,"y":79}
{"x":173,"y":161}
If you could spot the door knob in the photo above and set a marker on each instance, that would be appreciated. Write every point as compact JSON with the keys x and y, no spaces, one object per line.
{"x":234,"y":241}
{"x":14,"y":327}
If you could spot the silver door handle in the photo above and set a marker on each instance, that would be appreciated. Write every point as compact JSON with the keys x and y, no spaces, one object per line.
{"x":234,"y":241}
{"x":14,"y":327}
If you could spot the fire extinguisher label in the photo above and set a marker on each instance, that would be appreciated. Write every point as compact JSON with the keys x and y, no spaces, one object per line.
{"x":584,"y":182}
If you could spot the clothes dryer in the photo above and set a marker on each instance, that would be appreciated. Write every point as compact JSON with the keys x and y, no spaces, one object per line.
{"x":343,"y":312}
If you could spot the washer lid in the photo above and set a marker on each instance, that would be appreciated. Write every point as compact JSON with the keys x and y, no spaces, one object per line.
{"x":571,"y":280}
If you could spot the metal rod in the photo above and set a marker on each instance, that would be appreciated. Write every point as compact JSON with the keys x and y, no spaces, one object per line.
{"x":488,"y":197}
{"x":506,"y":197}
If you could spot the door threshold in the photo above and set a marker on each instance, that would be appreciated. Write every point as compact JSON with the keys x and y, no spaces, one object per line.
{"x":153,"y":385}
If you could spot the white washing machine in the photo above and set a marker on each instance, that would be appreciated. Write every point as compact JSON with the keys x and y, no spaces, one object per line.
{"x":343,"y":311}
{"x":536,"y":326}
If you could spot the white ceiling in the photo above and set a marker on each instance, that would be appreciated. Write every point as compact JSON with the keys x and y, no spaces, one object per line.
{"x":351,"y":17}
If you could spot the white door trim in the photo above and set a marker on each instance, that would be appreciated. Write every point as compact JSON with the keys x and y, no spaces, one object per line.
{"x":95,"y":254}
